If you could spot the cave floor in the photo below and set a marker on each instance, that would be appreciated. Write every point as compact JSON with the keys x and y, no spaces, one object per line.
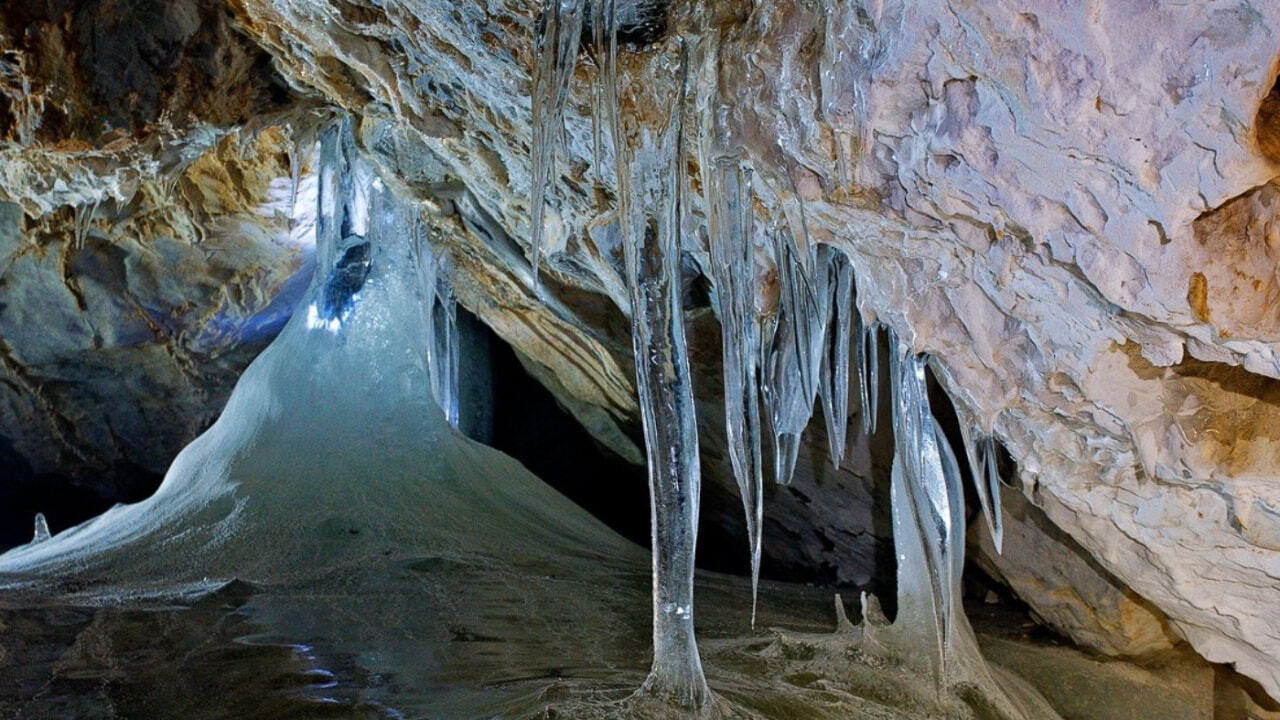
{"x":249,"y":652}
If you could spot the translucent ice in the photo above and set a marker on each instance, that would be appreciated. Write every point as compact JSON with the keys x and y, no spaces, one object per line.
{"x":795,"y":355}
{"x":931,"y":485}
{"x":834,"y":386}
{"x":442,"y":323}
{"x":555,"y":55}
{"x":931,"y":630}
{"x":726,"y":187}
{"x":869,"y":377}
{"x":980,"y":449}
{"x":650,"y":208}
{"x":331,"y":455}
{"x":42,"y":529}
{"x":84,"y":215}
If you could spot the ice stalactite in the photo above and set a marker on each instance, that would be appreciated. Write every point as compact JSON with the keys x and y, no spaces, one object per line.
{"x":651,"y":196}
{"x":869,"y":375}
{"x":728,"y":188}
{"x":444,"y":362}
{"x":980,"y":450}
{"x":727,"y":196}
{"x":604,"y":51}
{"x":25,"y":107}
{"x":795,"y":355}
{"x":441,"y":315}
{"x":84,"y":215}
{"x":334,"y":185}
{"x":852,"y":49}
{"x":834,"y":386}
{"x":41,"y":529}
{"x":442,"y":319}
{"x":304,"y":145}
{"x":555,"y":55}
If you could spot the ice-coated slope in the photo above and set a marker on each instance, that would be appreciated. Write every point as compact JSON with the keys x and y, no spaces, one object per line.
{"x":330,"y":448}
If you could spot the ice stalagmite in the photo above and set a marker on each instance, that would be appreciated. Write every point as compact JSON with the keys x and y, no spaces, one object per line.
{"x":834,"y":386}
{"x":331,"y":464}
{"x":650,"y":206}
{"x":931,"y":485}
{"x":555,"y":54}
{"x":726,"y":187}
{"x":41,"y":529}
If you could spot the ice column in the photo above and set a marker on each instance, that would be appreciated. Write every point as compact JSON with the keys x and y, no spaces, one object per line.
{"x":927,"y":494}
{"x":650,"y":205}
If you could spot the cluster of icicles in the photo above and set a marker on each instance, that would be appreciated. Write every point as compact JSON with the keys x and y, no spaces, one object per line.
{"x":777,"y":365}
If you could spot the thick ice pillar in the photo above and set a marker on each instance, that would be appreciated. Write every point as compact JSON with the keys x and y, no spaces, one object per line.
{"x":651,"y":188}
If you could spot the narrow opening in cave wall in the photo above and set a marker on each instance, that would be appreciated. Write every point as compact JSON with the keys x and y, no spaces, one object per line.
{"x":600,"y":358}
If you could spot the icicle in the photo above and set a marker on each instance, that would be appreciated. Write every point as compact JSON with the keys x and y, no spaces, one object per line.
{"x":344,"y":219}
{"x":869,"y":366}
{"x":608,"y":79}
{"x":980,"y":450}
{"x":83,"y":222}
{"x":650,"y":199}
{"x":444,"y":365}
{"x":599,"y":116}
{"x":931,"y":485}
{"x":42,"y":529}
{"x":834,"y":388}
{"x":991,"y":505}
{"x":556,"y":52}
{"x":440,"y":316}
{"x":726,"y":187}
{"x":25,"y":106}
{"x":295,"y":168}
{"x":795,"y":355}
{"x":334,"y":188}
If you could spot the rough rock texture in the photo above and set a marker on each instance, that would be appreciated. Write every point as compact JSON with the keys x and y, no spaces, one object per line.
{"x":1065,"y":587}
{"x":1032,"y":200}
{"x":1070,"y":206}
{"x":145,"y":247}
{"x":122,"y":340}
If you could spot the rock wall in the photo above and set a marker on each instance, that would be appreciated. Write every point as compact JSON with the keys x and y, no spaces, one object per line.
{"x":146,"y":253}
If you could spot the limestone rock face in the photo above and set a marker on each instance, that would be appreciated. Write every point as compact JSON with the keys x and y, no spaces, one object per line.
{"x":1064,"y":586}
{"x":145,"y":245}
{"x":1066,"y":205}
{"x":124,"y":326}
